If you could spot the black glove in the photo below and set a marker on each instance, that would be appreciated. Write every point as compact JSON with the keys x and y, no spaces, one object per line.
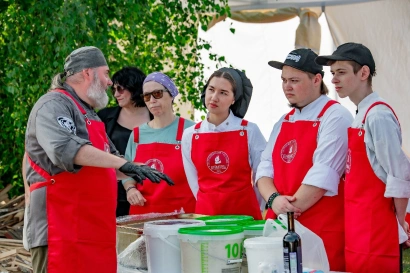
{"x":142,"y":172}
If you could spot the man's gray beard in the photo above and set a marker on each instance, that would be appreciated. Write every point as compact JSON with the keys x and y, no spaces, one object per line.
{"x":97,"y":94}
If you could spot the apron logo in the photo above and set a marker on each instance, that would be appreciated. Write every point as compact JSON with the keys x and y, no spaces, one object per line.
{"x":289,"y":151}
{"x":67,"y":124}
{"x":218,"y":162}
{"x":348,"y":161}
{"x":155,"y":164}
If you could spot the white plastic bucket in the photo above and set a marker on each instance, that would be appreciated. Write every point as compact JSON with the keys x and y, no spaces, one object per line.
{"x":211,"y":249}
{"x":264,"y":252}
{"x":163,"y":252}
{"x":251,"y":229}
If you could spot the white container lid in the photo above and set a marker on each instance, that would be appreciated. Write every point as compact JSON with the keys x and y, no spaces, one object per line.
{"x":165,"y":228}
{"x":263,"y":242}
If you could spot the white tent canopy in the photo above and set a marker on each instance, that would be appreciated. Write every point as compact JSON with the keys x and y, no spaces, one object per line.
{"x":383,"y":26}
{"x":236,"y":5}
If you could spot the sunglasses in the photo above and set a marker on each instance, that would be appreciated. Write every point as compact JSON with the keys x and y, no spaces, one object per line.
{"x":118,"y":89}
{"x":157,"y":94}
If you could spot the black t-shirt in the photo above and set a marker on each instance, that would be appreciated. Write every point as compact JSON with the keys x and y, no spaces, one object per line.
{"x":119,"y":137}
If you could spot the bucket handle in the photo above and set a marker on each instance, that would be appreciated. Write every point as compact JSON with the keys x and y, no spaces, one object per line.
{"x":168,"y":242}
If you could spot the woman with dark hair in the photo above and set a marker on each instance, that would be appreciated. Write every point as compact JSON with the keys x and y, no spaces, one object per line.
{"x":157,"y":144}
{"x":221,"y":153}
{"x":120,"y":120}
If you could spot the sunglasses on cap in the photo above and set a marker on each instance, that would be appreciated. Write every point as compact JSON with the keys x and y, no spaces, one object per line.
{"x":118,"y":89}
{"x":157,"y":94}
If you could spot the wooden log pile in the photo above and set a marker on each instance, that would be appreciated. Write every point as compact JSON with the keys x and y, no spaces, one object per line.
{"x":13,"y":257}
{"x":11,"y":215}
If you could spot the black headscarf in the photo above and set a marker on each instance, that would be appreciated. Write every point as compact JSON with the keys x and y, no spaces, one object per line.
{"x":243,"y":92}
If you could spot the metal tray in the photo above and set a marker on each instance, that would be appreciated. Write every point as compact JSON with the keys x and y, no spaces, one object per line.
{"x":129,"y":231}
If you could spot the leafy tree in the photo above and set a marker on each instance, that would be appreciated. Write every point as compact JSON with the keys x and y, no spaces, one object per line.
{"x":36,"y":36}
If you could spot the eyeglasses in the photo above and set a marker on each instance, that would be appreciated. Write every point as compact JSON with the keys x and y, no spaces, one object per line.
{"x":118,"y":89}
{"x":157,"y":94}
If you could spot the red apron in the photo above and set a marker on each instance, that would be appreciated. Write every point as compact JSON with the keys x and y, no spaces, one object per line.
{"x":166,"y":158}
{"x":224,"y":173}
{"x":81,"y":212}
{"x":292,"y":158}
{"x":372,"y":242}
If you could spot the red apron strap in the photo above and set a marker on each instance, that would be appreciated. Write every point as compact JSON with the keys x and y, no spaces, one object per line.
{"x":39,"y":185}
{"x":198,"y":125}
{"x":244,"y":123}
{"x":38,"y":169}
{"x":289,"y":114}
{"x":70,"y":96}
{"x":377,"y":103}
{"x":180,"y":130}
{"x":41,"y":172}
{"x":328,"y":104}
{"x":137,"y":135}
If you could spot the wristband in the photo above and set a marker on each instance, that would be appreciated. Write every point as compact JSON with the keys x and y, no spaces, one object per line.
{"x":130,"y":187}
{"x":270,"y":200}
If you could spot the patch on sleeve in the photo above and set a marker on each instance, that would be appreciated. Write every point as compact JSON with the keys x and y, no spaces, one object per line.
{"x":68,"y":124}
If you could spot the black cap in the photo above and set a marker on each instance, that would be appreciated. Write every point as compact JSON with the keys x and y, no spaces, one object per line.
{"x":301,"y":59}
{"x":350,"y":52}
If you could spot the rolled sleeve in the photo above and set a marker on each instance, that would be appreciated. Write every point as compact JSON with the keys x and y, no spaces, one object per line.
{"x":385,"y":154}
{"x":329,"y":159}
{"x":323,"y":177}
{"x":265,"y":169}
{"x":68,"y":155}
{"x":397,"y":188}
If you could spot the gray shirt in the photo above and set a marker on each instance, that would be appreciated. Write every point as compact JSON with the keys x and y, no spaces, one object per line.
{"x":56,"y":130}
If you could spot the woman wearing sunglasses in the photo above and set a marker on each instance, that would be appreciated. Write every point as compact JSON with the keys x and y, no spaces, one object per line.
{"x":157,"y":144}
{"x":120,"y":120}
{"x":221,"y":153}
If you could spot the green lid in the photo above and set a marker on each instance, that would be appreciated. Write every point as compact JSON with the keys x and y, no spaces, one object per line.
{"x":280,"y":224}
{"x":211,"y":230}
{"x":221,"y":220}
{"x":254,"y":225}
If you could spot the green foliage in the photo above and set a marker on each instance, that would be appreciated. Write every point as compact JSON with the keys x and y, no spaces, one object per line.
{"x":36,"y":36}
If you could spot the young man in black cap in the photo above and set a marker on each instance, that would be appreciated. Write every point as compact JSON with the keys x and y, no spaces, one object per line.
{"x":305,"y":157}
{"x":70,"y":167}
{"x":377,"y":170}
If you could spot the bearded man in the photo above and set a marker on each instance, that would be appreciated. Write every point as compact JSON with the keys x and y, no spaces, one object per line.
{"x":70,"y":167}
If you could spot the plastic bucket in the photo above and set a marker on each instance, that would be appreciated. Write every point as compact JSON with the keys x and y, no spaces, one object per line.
{"x":253,"y":228}
{"x":163,"y":252}
{"x":211,"y":249}
{"x":264,"y":253}
{"x":226,"y":220}
{"x":250,"y":230}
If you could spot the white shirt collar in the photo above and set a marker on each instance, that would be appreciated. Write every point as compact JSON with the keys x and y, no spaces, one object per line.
{"x":367,"y":101}
{"x":310,"y":111}
{"x":224,"y":126}
{"x":313,"y":105}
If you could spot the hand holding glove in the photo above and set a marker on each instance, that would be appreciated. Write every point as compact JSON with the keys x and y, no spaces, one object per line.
{"x":142,"y":172}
